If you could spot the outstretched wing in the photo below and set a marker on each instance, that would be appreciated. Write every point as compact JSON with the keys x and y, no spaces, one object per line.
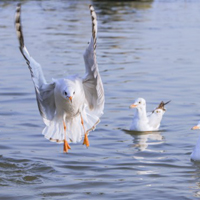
{"x":154,"y":117}
{"x":44,"y":92}
{"x":162,"y":106}
{"x":92,"y":84}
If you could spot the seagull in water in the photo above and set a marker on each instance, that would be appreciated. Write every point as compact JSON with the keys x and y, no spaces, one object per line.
{"x":143,"y":121}
{"x":70,"y":107}
{"x":195,"y":156}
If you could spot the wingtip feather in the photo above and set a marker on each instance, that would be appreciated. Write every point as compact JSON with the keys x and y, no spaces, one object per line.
{"x":18,"y":25}
{"x":94,"y":24}
{"x":162,"y":105}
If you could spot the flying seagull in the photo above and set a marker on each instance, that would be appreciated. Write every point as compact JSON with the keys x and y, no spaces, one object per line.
{"x":72,"y":106}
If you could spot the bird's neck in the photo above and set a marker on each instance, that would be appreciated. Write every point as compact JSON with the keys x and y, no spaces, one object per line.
{"x":141,"y":113}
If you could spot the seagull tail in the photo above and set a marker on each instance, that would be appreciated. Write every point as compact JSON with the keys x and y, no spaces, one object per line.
{"x":75,"y":129}
{"x":55,"y":132}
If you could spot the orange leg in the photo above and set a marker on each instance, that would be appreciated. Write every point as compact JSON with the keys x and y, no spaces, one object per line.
{"x":86,"y":140}
{"x":66,"y":146}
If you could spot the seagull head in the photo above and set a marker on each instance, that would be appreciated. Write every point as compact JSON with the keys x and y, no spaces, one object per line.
{"x":159,"y":111}
{"x":68,"y":94}
{"x":139,"y":103}
{"x":197,"y":126}
{"x":69,"y":89}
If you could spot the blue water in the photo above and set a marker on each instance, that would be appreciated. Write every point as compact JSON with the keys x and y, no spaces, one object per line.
{"x":148,"y":50}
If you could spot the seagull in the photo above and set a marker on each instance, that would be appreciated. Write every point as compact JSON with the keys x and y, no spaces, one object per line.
{"x":195,"y":156}
{"x":143,"y":121}
{"x":71,"y":107}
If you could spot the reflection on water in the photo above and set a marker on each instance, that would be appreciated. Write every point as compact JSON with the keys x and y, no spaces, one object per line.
{"x":110,"y":11}
{"x":110,"y":6}
{"x":196,"y":176}
{"x":142,"y":140}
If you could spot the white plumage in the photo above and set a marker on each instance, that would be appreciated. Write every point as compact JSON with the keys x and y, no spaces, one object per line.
{"x":72,"y":106}
{"x":195,"y":156}
{"x":143,"y":121}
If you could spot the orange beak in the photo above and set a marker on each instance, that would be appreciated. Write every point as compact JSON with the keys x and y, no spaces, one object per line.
{"x":70,"y":98}
{"x":133,"y":106}
{"x":195,"y":127}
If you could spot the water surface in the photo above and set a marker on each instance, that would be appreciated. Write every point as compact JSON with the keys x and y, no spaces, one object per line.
{"x":148,"y":50}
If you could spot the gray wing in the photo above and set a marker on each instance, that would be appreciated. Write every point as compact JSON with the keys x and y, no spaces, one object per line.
{"x":92,"y":83}
{"x":44,"y":92}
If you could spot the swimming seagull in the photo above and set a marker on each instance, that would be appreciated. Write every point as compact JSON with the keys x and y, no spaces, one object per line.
{"x":143,"y":121}
{"x":71,"y":106}
{"x":195,"y":156}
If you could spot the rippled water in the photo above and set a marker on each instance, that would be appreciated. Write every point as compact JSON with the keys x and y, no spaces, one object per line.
{"x":148,"y":50}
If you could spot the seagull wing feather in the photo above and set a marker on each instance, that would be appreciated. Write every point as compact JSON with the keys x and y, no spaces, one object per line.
{"x":44,"y":92}
{"x":92,"y":83}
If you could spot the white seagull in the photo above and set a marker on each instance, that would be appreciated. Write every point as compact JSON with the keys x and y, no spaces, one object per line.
{"x":195,"y":156}
{"x":143,"y":121}
{"x":71,"y":106}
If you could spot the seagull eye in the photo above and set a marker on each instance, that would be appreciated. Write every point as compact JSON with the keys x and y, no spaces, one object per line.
{"x":157,"y":111}
{"x":73,"y":92}
{"x":65,"y":93}
{"x":139,"y":101}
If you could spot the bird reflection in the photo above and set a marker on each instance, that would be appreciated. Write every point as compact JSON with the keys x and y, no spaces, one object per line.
{"x":142,"y":140}
{"x":196,"y":176}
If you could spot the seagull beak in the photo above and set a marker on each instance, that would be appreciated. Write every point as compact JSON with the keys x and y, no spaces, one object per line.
{"x":70,"y":98}
{"x":133,"y":106}
{"x":195,"y":127}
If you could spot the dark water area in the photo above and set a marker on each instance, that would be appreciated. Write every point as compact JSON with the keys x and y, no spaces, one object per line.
{"x":150,"y":50}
